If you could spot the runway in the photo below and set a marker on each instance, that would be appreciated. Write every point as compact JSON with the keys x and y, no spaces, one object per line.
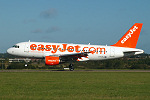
{"x":76,"y":70}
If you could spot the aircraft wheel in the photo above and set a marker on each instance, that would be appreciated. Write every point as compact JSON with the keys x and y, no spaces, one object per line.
{"x":71,"y":68}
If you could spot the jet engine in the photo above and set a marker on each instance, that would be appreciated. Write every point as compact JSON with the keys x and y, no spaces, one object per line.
{"x":51,"y":60}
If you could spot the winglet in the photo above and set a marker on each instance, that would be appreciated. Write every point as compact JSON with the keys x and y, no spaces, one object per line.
{"x":131,"y":37}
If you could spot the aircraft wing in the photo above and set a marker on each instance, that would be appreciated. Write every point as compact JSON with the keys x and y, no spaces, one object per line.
{"x":74,"y":56}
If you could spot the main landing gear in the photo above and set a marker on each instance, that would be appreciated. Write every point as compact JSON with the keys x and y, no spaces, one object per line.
{"x":71,"y":68}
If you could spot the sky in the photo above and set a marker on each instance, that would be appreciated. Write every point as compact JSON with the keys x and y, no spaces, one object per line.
{"x":98,"y":22}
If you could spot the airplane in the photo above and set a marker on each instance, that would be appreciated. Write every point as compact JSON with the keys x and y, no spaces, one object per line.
{"x":57,"y":53}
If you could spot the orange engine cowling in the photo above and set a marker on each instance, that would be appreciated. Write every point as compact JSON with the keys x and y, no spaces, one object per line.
{"x":51,"y":60}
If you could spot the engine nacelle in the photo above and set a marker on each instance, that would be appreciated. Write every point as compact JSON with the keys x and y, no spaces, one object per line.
{"x":51,"y":60}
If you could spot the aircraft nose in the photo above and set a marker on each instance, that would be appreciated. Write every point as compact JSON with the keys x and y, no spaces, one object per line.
{"x":9,"y":51}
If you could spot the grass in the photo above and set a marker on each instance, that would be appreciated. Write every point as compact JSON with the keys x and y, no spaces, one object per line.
{"x":74,"y":85}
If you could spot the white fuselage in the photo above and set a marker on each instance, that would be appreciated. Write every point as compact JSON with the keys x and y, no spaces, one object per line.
{"x":97,"y":52}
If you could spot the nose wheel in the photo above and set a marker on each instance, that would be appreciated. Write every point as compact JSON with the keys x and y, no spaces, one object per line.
{"x":71,"y":68}
{"x":26,"y":65}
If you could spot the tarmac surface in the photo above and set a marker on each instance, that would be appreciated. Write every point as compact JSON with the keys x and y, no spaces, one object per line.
{"x":78,"y":70}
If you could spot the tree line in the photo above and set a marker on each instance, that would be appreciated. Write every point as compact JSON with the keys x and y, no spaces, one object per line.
{"x":134,"y":62}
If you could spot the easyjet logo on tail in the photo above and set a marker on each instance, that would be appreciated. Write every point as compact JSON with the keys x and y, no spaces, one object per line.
{"x":129,"y":35}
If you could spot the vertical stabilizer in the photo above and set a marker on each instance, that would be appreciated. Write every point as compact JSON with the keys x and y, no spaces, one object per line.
{"x":131,"y":37}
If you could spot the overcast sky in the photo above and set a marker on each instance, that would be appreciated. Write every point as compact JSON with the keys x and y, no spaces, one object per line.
{"x":72,"y":21}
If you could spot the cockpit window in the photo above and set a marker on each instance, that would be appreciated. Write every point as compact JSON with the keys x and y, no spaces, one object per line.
{"x":16,"y":46}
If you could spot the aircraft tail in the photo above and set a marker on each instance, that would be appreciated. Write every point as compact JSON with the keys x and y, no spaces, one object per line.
{"x":131,"y":37}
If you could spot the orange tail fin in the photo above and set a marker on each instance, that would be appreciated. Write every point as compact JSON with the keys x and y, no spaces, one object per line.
{"x":131,"y":37}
